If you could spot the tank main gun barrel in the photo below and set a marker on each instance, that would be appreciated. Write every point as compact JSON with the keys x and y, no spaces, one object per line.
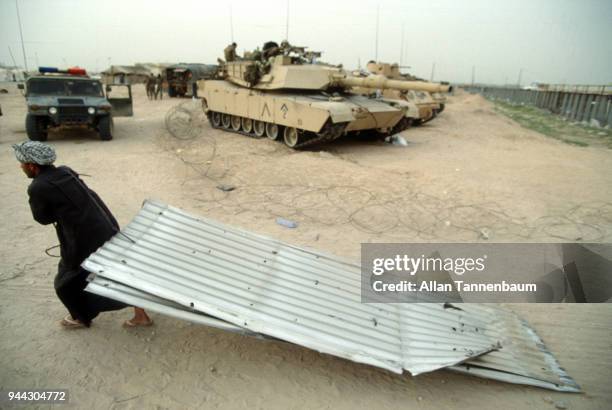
{"x":382,"y":83}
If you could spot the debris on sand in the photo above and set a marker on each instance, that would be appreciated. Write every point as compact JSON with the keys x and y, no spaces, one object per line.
{"x":396,"y":140}
{"x":226,"y":188}
{"x":286,"y":223}
{"x":484,"y":233}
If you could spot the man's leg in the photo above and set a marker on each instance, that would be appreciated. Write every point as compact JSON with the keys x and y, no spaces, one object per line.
{"x":69,"y":287}
{"x":83,"y":306}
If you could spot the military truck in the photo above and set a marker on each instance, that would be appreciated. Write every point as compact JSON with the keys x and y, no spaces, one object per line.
{"x":182,"y":78}
{"x":70,"y":98}
{"x":283,"y":93}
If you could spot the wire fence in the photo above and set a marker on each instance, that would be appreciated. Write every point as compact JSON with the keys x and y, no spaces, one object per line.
{"x":587,"y":104}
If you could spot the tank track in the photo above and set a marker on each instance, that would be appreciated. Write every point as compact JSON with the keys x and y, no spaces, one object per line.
{"x":329,"y":132}
{"x":421,"y":122}
{"x":402,"y":125}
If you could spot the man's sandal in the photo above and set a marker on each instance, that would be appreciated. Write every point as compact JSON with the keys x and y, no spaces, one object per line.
{"x":69,"y":323}
{"x":130,"y":323}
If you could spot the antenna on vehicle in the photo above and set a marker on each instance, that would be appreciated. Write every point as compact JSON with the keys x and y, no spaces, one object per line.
{"x":25,"y":59}
{"x":402,"y":46}
{"x":287,"y":23}
{"x":231,"y":23}
{"x":377,"y":21}
{"x":12,"y":57}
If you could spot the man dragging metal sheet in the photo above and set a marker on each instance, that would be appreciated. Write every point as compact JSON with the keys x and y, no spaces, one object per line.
{"x":82,"y":222}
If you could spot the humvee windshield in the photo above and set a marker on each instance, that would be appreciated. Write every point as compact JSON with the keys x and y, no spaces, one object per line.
{"x":47,"y":86}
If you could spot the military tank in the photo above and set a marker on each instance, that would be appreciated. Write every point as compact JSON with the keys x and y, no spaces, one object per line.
{"x":430,"y":103}
{"x":282,"y":92}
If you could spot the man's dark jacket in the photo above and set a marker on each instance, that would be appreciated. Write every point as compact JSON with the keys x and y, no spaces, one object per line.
{"x":83,"y":223}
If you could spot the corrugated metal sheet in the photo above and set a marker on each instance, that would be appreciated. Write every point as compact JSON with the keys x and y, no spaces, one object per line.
{"x":134,"y":297}
{"x":183,"y":265}
{"x":523,"y":358}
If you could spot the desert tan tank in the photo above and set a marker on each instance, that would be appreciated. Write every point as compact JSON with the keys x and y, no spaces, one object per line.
{"x":282,"y":92}
{"x":430,"y":103}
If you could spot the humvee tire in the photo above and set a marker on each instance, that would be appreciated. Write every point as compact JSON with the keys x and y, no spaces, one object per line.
{"x":105,"y":128}
{"x":35,"y":128}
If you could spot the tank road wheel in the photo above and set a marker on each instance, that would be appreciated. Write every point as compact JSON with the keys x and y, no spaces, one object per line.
{"x":272,"y":131}
{"x":216,"y":119}
{"x":226,"y":120}
{"x":247,"y":125}
{"x":259,"y":127}
{"x":291,"y":137}
{"x":236,"y":123}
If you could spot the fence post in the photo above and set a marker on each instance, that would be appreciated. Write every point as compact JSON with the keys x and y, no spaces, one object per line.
{"x":574,"y":107}
{"x":602,"y":108}
{"x":588,"y":110}
{"x":583,"y":107}
{"x":555,"y":102}
{"x":552,"y":101}
{"x":564,"y":101}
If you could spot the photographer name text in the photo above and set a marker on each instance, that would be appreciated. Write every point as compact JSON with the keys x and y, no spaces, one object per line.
{"x":457,"y":285}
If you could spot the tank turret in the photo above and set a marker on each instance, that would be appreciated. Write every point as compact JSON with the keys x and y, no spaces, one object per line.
{"x":430,"y":100}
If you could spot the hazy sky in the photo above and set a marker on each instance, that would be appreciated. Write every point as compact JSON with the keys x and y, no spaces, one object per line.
{"x":556,"y":41}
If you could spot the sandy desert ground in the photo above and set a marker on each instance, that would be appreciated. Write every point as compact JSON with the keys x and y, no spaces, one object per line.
{"x":470,"y":175}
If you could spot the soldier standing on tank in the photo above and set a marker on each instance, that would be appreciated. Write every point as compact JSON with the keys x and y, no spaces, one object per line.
{"x":230,"y":52}
{"x":159,"y":82}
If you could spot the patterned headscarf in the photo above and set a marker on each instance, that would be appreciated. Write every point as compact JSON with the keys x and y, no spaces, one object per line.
{"x":34,"y":152}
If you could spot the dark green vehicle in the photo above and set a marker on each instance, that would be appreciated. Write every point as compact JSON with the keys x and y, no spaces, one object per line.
{"x":63,"y":99}
{"x":182,"y":78}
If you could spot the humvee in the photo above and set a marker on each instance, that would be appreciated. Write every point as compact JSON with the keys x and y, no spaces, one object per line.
{"x":71,"y":98}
